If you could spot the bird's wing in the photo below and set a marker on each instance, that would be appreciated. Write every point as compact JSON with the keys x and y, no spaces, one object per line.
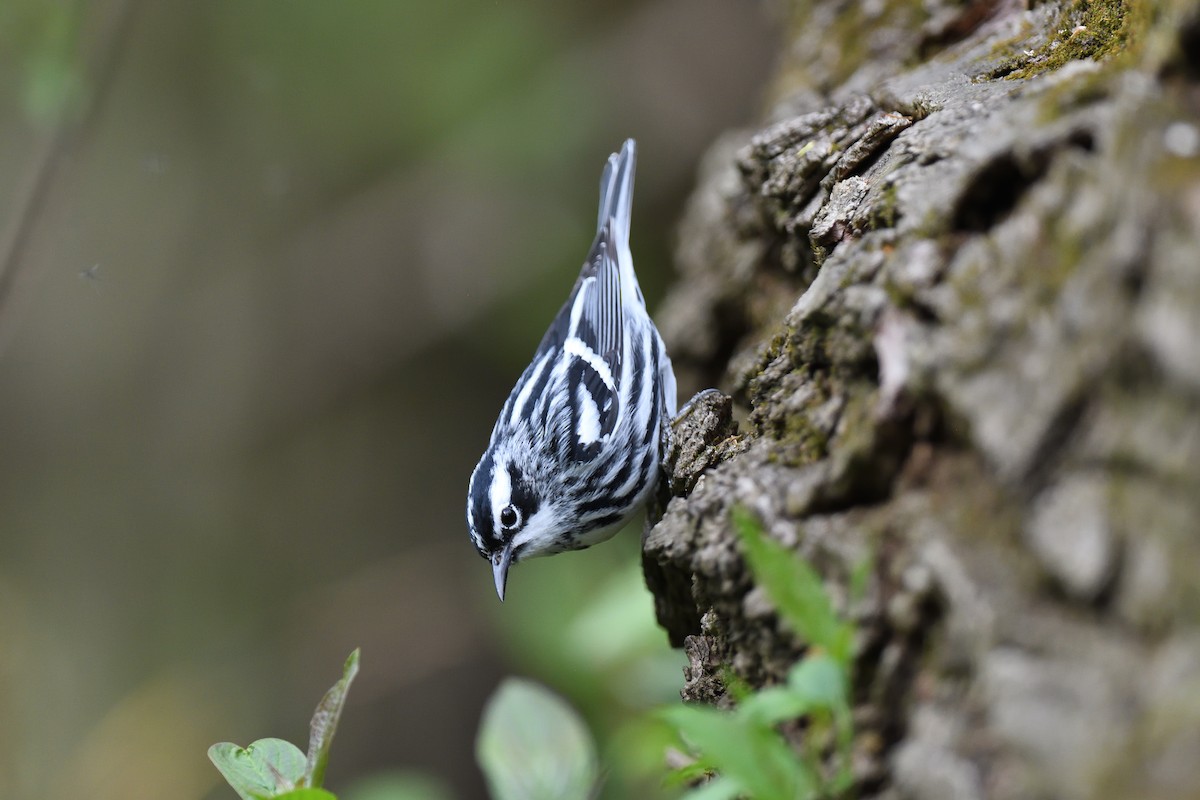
{"x":593,"y":347}
{"x":586,"y":339}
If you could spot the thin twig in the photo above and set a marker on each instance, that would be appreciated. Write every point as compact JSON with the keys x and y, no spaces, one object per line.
{"x":34,"y":198}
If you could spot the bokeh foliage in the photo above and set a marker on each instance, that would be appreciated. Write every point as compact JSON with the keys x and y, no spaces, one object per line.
{"x":282,"y":280}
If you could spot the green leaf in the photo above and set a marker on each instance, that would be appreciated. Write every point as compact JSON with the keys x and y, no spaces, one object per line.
{"x":737,"y":688}
{"x":264,"y":769}
{"x":324,"y":723}
{"x":533,"y":746}
{"x":305,"y":794}
{"x":638,"y":745}
{"x":719,"y":788}
{"x":820,"y":682}
{"x":773,"y":705}
{"x":794,"y":587}
{"x":688,"y":773}
{"x":751,"y":755}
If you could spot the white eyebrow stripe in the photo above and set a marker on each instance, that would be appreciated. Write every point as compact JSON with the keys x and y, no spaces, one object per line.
{"x":577,"y":347}
{"x":500,"y":493}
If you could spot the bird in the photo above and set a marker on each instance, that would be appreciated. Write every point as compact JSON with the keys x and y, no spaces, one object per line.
{"x":577,"y":447}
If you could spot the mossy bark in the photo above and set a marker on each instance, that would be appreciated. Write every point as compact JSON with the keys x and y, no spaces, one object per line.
{"x":953,"y":285}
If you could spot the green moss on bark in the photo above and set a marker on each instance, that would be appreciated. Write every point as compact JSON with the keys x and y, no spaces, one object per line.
{"x":1098,"y":30}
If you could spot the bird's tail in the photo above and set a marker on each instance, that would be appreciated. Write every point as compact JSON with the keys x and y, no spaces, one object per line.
{"x":616,"y":210}
{"x":616,"y":191}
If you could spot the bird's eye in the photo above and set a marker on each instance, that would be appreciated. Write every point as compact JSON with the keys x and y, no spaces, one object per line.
{"x":510,"y":517}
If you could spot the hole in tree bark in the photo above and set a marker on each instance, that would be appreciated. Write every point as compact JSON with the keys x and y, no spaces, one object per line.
{"x":1001,"y":183}
{"x":1189,"y":47}
{"x":996,"y":190}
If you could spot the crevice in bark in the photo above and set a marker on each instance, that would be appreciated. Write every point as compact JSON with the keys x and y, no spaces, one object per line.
{"x":1000,"y":184}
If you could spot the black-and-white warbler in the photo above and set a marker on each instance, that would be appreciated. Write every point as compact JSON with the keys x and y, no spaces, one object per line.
{"x":576,"y":449}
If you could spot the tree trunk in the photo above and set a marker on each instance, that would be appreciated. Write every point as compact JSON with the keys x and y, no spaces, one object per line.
{"x":955,"y":283}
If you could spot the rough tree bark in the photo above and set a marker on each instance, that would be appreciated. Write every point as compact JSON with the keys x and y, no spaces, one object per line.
{"x":955,"y":286}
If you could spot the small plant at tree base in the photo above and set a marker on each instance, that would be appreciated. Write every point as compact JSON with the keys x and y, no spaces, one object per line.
{"x":748,"y":755}
{"x":531,"y":746}
{"x":274,"y":769}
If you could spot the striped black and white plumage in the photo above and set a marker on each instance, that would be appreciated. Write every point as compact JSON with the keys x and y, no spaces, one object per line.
{"x":576,"y":449}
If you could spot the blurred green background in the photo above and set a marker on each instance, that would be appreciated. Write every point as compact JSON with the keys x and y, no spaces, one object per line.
{"x":276,"y":284}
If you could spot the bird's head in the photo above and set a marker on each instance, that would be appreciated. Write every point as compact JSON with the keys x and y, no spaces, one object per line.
{"x":509,"y":512}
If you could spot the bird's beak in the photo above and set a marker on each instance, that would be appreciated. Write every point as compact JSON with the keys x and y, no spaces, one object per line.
{"x":500,"y":564}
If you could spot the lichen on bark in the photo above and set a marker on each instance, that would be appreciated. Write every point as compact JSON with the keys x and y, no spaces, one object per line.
{"x":959,"y":310}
